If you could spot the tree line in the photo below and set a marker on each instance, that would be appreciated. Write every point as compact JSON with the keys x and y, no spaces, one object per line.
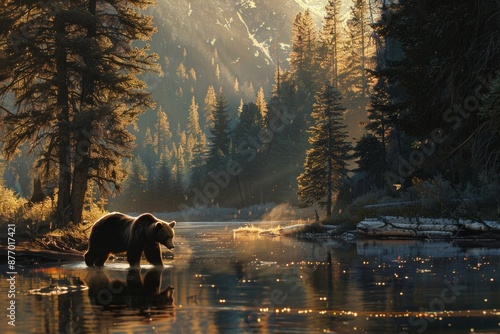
{"x":433,"y":108}
{"x":71,"y":91}
{"x":430,"y":104}
{"x":259,"y":155}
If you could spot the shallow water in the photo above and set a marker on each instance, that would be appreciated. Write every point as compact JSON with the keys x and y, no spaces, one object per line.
{"x":226,"y":283}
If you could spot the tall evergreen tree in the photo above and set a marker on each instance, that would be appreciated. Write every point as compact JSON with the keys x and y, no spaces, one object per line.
{"x":220,"y":132}
{"x":357,"y":57}
{"x":442,"y":79}
{"x":303,"y":60}
{"x":163,"y":134}
{"x":370,"y":157}
{"x":261,"y":103}
{"x":248,"y":153}
{"x":136,"y":184}
{"x":331,"y":40}
{"x":325,"y":168}
{"x":193,"y":127}
{"x":162,"y":188}
{"x":149,"y":156}
{"x":74,"y":79}
{"x":380,"y":114}
{"x":208,"y":107}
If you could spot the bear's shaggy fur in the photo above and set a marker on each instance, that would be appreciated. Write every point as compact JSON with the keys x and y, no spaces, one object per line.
{"x":117,"y":232}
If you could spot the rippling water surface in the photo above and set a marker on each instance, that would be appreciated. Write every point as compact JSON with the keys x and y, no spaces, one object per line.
{"x":220,"y":282}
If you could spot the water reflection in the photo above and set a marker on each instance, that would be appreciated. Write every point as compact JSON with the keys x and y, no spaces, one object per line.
{"x":137,"y":292}
{"x":222,"y":283}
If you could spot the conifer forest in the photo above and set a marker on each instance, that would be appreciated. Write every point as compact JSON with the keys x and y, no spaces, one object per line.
{"x":145,"y":105}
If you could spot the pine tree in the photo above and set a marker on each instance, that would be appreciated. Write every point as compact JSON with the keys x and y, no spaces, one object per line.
{"x":331,"y":40}
{"x":162,"y":188}
{"x":149,"y":156}
{"x":439,"y":81}
{"x":217,"y":72}
{"x":181,"y":72}
{"x":303,"y":60}
{"x":192,"y":74}
{"x":163,"y":134}
{"x":198,"y":166}
{"x":380,"y":114}
{"x":193,"y":126}
{"x":220,"y":132}
{"x":261,"y":103}
{"x":370,"y":160}
{"x":136,"y":184}
{"x":76,"y":89}
{"x":208,"y":107}
{"x":248,"y":152}
{"x":325,"y":167}
{"x":357,"y":48}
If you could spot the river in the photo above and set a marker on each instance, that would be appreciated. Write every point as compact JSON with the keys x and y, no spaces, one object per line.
{"x":221,"y":282}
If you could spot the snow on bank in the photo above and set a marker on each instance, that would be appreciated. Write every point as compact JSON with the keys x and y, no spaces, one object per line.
{"x":427,"y":227}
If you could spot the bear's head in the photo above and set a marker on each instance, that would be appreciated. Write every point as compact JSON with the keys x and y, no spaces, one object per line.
{"x":157,"y":229}
{"x":164,"y":233}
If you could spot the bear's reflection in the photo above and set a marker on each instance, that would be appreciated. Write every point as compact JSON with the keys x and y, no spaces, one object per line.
{"x":136,"y":293}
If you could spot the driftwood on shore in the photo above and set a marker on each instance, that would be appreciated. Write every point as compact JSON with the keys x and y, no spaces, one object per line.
{"x":28,"y":255}
{"x":48,"y":248}
{"x":403,"y":227}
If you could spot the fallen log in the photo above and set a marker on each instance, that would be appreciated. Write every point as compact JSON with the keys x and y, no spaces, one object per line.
{"x":405,"y":227}
{"x":26,"y":255}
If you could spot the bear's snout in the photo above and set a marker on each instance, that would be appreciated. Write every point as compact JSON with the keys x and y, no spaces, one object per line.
{"x":169,"y":244}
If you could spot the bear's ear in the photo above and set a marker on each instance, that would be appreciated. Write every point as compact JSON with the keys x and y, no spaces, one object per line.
{"x":172,"y":224}
{"x":158,"y":226}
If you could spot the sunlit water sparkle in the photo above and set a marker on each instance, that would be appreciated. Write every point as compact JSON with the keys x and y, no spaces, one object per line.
{"x":227,"y":283}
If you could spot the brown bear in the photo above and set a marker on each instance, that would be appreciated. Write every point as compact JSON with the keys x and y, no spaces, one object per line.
{"x":117,"y":232}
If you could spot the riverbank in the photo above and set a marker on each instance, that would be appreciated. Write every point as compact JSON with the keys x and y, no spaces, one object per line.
{"x":274,"y":220}
{"x":386,"y":227}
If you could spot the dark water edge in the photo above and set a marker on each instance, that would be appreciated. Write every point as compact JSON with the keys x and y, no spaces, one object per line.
{"x":227,"y":283}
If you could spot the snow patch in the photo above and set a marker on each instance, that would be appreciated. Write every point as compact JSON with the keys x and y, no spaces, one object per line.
{"x":260,"y":46}
{"x":248,"y":4}
{"x":227,"y":25}
{"x":190,"y":11}
{"x":306,"y":4}
{"x":284,"y":46}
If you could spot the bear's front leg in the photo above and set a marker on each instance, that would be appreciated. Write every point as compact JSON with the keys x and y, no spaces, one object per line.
{"x":153,"y":254}
{"x":134,"y":256}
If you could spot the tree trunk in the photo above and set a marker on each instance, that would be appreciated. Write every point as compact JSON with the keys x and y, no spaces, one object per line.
{"x":63,"y":211}
{"x":330,"y":171}
{"x":83,"y":163}
{"x":363,"y":51}
{"x":38,"y":195}
{"x":79,"y":190}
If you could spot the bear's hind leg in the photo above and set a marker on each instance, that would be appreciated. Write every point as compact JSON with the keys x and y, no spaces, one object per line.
{"x":153,"y":254}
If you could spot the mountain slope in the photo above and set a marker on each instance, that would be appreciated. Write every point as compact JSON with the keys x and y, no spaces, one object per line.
{"x":222,"y":42}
